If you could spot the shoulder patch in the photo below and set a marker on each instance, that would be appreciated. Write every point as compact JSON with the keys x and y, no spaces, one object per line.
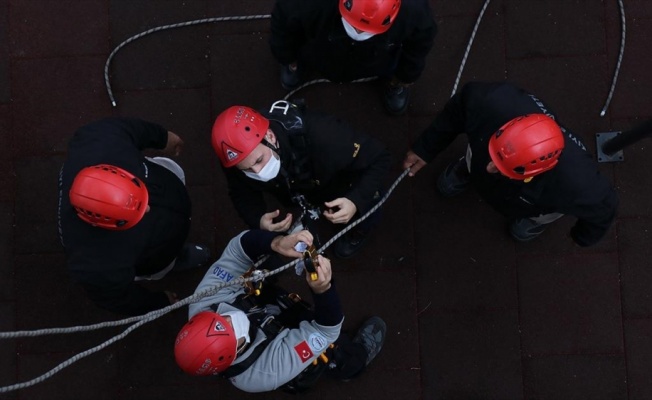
{"x":303,"y":351}
{"x":317,"y":342}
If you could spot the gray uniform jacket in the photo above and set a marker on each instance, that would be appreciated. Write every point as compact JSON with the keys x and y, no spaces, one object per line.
{"x":288,"y":354}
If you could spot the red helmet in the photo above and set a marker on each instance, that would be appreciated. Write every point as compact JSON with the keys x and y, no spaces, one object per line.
{"x":206,"y":345}
{"x":526,"y":146}
{"x":109,"y":197}
{"x":236,"y":133}
{"x":373,"y":16}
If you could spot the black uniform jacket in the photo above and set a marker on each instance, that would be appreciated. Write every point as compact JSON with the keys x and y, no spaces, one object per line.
{"x":574,"y":186}
{"x":344,"y":163}
{"x":105,"y":262}
{"x":311,"y":32}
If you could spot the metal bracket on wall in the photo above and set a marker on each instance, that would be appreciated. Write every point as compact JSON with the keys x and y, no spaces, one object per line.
{"x":601,"y":139}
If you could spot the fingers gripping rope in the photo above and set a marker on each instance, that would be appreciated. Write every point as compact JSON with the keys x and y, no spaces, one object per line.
{"x":151,"y":316}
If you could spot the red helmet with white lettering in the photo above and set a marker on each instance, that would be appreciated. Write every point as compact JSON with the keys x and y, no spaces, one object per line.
{"x":526,"y":146}
{"x":373,"y":16}
{"x":108,"y":197}
{"x":236,"y":133}
{"x":206,"y":345}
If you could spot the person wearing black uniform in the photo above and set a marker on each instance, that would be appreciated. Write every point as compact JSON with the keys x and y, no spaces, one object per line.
{"x":305,"y":158}
{"x":521,"y":161}
{"x":124,"y":217}
{"x":345,"y":40}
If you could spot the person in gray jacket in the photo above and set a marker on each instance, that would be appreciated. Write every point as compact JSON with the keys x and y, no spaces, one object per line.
{"x":261,"y":337}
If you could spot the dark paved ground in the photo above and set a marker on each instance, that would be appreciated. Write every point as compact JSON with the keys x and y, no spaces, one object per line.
{"x":471,"y":314}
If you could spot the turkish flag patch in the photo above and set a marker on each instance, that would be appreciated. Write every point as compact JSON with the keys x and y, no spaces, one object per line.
{"x":303,"y":351}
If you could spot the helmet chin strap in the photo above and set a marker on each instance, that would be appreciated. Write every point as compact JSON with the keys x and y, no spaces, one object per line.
{"x":275,"y":148}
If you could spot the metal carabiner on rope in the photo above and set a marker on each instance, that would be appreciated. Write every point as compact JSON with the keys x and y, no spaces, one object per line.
{"x":254,"y":286}
{"x":310,"y":261}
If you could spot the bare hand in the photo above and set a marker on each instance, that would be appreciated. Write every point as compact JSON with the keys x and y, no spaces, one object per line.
{"x":414,"y":162}
{"x":174,"y":145}
{"x":324,"y":276}
{"x":267,"y":222}
{"x":340,"y":211}
{"x":284,"y":245}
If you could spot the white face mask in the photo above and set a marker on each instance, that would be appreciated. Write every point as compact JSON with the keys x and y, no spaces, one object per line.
{"x":353,"y":34}
{"x":240,"y":324}
{"x":268,"y":172}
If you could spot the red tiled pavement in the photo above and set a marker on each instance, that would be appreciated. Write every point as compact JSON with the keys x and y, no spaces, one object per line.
{"x":471,"y":314}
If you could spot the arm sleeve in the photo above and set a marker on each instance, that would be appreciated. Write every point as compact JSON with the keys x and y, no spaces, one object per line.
{"x":328,"y":310}
{"x":232,"y":264}
{"x":448,"y":124}
{"x":257,"y":242}
{"x":417,"y":45}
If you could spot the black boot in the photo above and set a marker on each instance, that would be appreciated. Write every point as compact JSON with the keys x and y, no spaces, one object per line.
{"x":290,"y":80}
{"x":396,"y":99}
{"x":351,"y":242}
{"x":192,"y":256}
{"x":525,"y":229}
{"x":454,"y":179}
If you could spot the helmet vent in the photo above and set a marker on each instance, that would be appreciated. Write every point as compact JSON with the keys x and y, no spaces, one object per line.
{"x":348,"y":4}
{"x":247,"y":128}
{"x":387,"y":20}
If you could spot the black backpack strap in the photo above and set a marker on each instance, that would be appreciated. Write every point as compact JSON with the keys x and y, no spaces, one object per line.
{"x":290,"y":117}
{"x":241,"y":367}
{"x":271,"y":329}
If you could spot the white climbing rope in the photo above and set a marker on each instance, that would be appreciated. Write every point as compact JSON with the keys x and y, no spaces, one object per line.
{"x":107,"y":81}
{"x":468,"y":46}
{"x":152,"y":315}
{"x":623,"y":31}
